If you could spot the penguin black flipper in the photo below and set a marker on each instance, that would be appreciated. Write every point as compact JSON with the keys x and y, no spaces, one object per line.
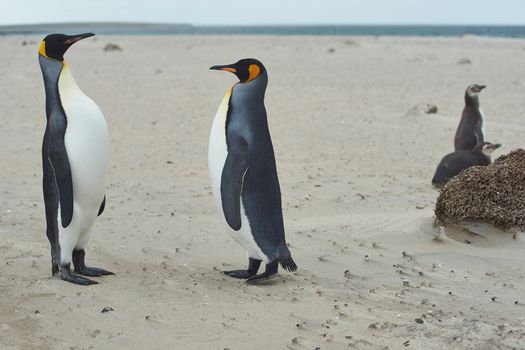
{"x":467,"y":142}
{"x":102,"y":206}
{"x":236,"y":165}
{"x":59,"y":161}
{"x":468,"y":136}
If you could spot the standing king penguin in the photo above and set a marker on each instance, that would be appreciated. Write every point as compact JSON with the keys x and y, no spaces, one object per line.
{"x":244,"y":175}
{"x":470,"y":130}
{"x":74,"y":160}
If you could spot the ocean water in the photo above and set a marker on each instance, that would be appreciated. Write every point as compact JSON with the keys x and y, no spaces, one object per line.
{"x":349,"y":30}
{"x":373,"y":30}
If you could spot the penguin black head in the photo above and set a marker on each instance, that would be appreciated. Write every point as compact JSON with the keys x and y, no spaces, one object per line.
{"x":54,"y":46}
{"x":246,"y":69}
{"x":487,"y":148}
{"x":474,"y":89}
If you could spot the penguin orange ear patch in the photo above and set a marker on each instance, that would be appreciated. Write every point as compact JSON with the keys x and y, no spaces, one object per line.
{"x":42,"y":49}
{"x":254,"y":72}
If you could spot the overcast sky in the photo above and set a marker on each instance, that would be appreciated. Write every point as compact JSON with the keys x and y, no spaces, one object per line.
{"x":232,"y":12}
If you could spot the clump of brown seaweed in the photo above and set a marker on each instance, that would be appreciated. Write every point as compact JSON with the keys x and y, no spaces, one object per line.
{"x":493,"y":194}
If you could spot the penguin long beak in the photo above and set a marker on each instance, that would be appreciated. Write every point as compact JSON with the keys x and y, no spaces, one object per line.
{"x":496,"y":145}
{"x":481,"y":87}
{"x":74,"y":38}
{"x":227,"y":68}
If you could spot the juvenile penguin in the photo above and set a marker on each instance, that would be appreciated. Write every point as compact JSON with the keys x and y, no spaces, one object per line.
{"x":244,"y":175}
{"x":453,"y":163}
{"x":74,"y":160}
{"x":470,"y":130}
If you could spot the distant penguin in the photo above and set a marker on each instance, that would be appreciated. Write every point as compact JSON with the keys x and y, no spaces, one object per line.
{"x":453,"y":163}
{"x":244,"y":175}
{"x":75,"y":162}
{"x":470,"y":130}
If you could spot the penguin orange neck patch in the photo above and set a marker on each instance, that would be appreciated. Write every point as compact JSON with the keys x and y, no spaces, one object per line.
{"x":254,"y":72}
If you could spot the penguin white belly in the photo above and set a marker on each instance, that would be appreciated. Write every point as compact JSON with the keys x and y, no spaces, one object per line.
{"x":482,"y":122}
{"x":86,"y":142}
{"x":217,"y":153}
{"x":218,"y":150}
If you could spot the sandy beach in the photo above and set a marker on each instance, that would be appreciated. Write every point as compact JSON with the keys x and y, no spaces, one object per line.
{"x":355,"y":156}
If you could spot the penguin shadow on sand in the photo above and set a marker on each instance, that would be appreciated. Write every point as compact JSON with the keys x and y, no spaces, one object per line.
{"x":478,"y":235}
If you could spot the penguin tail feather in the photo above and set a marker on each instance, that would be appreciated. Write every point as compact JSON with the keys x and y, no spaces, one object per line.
{"x":285,"y":258}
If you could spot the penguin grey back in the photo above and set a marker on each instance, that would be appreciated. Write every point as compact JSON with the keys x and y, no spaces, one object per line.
{"x":261,"y":194}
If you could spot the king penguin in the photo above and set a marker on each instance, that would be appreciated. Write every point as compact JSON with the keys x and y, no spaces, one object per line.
{"x":74,"y":160}
{"x":244,"y":175}
{"x":470,"y":130}
{"x":454,"y":163}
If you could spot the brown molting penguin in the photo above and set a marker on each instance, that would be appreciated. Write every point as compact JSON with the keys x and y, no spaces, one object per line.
{"x":470,"y":129}
{"x":453,"y":163}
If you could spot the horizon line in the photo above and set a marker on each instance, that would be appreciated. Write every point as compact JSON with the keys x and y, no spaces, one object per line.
{"x":264,"y":24}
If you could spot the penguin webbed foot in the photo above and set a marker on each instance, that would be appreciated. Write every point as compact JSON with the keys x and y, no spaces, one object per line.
{"x":81,"y":268}
{"x":253,"y":267}
{"x":93,"y":271}
{"x":67,"y":275}
{"x":271,"y":269}
{"x":239,"y":273}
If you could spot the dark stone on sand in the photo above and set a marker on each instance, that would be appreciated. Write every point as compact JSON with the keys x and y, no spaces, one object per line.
{"x":112,"y":47}
{"x":106,"y":309}
{"x":431,"y":109}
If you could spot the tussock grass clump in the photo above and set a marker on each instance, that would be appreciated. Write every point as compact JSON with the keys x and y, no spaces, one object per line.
{"x":493,"y":194}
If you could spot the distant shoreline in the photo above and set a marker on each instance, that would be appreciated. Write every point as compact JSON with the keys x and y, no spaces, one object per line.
{"x":514,"y":31}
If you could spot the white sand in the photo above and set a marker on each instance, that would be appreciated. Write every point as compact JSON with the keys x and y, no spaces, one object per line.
{"x":355,"y":170}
